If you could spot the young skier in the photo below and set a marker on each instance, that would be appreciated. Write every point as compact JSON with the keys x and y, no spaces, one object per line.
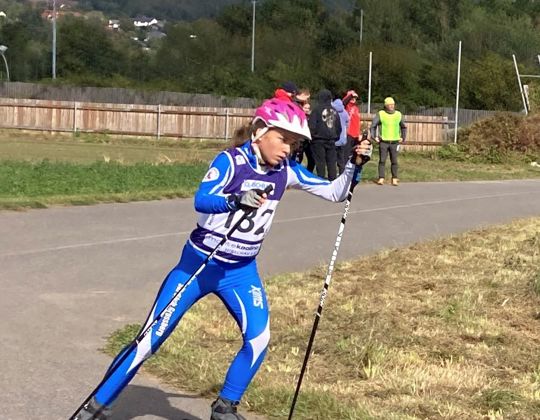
{"x":233,"y":185}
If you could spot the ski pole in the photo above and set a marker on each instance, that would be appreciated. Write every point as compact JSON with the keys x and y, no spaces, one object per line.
{"x":145,"y":332}
{"x":360,"y":161}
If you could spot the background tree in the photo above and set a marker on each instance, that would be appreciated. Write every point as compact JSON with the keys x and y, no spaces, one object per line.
{"x":313,"y":42}
{"x":28,"y":51}
{"x":85,"y":47}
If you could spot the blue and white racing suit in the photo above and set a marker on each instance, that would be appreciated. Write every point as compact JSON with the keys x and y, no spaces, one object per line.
{"x":232,"y":273}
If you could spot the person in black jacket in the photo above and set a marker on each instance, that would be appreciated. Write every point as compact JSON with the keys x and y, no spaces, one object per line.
{"x":325,"y":128}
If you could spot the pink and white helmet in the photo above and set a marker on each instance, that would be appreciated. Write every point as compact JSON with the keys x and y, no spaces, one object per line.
{"x":283,"y":114}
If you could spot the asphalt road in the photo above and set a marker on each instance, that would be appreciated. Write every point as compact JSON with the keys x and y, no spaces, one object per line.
{"x":70,"y":276}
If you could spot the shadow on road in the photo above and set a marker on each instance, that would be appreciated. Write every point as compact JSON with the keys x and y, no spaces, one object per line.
{"x":138,"y":401}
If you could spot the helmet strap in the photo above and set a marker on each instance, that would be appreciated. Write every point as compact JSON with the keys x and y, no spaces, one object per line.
{"x":254,"y":140}
{"x":262,"y":132}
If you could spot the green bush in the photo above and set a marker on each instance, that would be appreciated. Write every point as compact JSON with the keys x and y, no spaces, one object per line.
{"x":454,"y":152}
{"x":500,"y":138}
{"x":534,"y":96}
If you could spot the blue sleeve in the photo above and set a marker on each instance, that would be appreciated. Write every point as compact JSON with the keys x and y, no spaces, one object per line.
{"x":209,"y":198}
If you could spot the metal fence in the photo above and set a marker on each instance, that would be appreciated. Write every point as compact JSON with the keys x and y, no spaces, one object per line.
{"x":21,"y":90}
{"x":466,"y":116}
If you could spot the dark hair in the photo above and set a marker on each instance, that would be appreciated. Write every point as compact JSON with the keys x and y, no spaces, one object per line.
{"x":289,"y":87}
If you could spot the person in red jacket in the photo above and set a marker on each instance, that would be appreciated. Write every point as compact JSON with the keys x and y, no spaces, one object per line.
{"x":354,"y":130}
{"x":286,"y":92}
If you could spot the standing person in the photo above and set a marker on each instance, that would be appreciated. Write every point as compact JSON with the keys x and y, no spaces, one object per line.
{"x":305,"y":146}
{"x":393,"y":131}
{"x":287,"y":91}
{"x":325,"y":128}
{"x":302,"y":99}
{"x":354,"y":128}
{"x":341,"y":143}
{"x":307,"y":109}
{"x":233,"y":185}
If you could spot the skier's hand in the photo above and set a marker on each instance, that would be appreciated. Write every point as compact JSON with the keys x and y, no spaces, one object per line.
{"x":249,"y":200}
{"x":378,"y":139}
{"x":364,"y":147}
{"x":252,"y":199}
{"x":362,"y":152}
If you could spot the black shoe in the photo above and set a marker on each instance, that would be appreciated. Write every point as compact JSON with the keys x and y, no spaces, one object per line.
{"x":223,"y":409}
{"x":93,"y":411}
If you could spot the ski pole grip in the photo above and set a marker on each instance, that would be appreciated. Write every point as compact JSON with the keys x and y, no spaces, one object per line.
{"x":267,"y":190}
{"x":362,"y":159}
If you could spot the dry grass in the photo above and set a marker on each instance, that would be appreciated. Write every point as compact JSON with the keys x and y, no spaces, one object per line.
{"x":448,"y":329}
{"x":16,"y":145}
{"x":89,"y":148}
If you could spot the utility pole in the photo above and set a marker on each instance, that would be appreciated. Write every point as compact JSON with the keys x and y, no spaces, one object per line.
{"x":3,"y":50}
{"x":361,"y":24}
{"x":369,"y":82}
{"x":520,"y":86}
{"x":457,"y":94}
{"x":54,"y":41}
{"x":253,"y":40}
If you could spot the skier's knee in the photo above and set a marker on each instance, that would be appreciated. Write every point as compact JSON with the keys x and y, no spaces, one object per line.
{"x":260,"y":343}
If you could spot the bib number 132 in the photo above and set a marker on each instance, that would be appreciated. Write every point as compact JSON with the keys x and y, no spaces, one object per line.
{"x":249,"y":223}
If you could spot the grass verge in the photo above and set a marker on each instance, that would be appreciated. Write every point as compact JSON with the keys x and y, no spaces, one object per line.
{"x":39,"y":170}
{"x":427,"y":166}
{"x":38,"y":185}
{"x":87,"y":148}
{"x":442,"y":330}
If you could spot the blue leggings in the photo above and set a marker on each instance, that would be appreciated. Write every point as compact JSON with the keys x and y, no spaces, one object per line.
{"x":240,"y":289}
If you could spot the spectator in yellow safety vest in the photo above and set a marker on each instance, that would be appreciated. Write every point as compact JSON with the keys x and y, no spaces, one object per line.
{"x":391,"y":133}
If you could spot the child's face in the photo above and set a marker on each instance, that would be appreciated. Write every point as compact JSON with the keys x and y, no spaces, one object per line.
{"x":275,"y":145}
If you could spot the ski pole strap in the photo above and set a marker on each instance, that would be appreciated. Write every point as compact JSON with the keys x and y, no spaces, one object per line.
{"x":268,"y":189}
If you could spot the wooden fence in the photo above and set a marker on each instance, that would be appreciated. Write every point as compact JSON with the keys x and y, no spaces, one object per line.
{"x":168,"y":121}
{"x":423,"y":132}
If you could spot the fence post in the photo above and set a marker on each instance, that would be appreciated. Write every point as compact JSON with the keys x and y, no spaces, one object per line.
{"x":227,"y":112}
{"x":159,"y":121}
{"x":74,"y":117}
